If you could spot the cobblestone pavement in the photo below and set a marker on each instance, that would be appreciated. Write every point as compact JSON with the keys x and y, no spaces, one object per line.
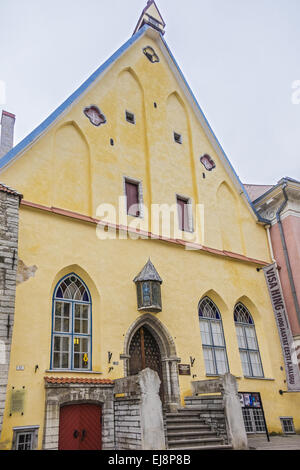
{"x":276,"y":442}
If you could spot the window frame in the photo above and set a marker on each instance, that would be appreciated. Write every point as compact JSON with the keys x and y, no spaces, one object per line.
{"x":127,"y":117}
{"x":190,"y":220}
{"x":213,"y":347}
{"x":177,"y":137}
{"x":71,"y":334}
{"x":291,"y":424}
{"x":22,"y":430}
{"x":247,"y":349}
{"x":253,"y":420}
{"x":138,"y":183}
{"x":152,"y":296}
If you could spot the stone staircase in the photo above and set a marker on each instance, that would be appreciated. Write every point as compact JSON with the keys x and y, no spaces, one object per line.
{"x":199,"y":425}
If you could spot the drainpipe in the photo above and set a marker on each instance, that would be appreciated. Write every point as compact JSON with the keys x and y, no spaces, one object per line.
{"x":285,"y":251}
{"x":267,"y":227}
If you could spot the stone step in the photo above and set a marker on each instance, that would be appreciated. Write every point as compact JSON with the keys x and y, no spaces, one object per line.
{"x":204,"y":397}
{"x":193,"y":411}
{"x":183,"y":414}
{"x":206,"y":406}
{"x":190,"y":435}
{"x":188,"y":427}
{"x":183,"y":417}
{"x":209,"y":447}
{"x":172,"y":443}
{"x":180,"y":418}
{"x":202,"y":401}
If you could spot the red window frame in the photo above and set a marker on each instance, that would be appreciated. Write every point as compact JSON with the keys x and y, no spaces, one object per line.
{"x":133,"y":198}
{"x":183,"y":213}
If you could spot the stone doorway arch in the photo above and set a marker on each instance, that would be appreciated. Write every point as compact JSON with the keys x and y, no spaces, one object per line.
{"x":145,"y":353}
{"x":71,"y":391}
{"x":169,"y":358}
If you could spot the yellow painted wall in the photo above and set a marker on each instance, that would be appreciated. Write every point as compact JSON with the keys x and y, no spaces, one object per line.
{"x":75,"y":154}
{"x":73,"y":166}
{"x":108,"y":268}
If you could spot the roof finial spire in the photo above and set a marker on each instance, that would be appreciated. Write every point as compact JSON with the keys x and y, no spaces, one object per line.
{"x":152,"y":17}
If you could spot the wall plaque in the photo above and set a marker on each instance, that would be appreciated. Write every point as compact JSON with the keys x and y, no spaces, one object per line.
{"x":17,"y":401}
{"x":184,"y":369}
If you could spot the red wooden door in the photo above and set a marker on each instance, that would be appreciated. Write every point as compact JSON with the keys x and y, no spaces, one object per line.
{"x":80,"y":427}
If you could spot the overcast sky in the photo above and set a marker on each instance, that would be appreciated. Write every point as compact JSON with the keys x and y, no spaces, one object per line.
{"x":240,"y":58}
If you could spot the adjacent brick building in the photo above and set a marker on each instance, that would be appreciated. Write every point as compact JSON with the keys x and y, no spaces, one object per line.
{"x":280,"y":204}
{"x":9,"y":222}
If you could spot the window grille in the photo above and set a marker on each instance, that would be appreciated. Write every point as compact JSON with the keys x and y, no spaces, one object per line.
{"x":130,"y":117}
{"x":25,"y":438}
{"x":24,"y":441}
{"x":247,"y":341}
{"x":253,"y":420}
{"x":213,"y":341}
{"x":71,"y":325}
{"x":287,"y":424}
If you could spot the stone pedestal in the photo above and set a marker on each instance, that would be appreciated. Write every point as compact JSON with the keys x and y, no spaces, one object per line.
{"x":152,"y":424}
{"x":233,"y":411}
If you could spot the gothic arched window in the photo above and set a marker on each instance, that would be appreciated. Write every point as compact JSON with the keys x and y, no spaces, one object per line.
{"x":247,"y":341}
{"x":71,"y":325}
{"x":213,"y":341}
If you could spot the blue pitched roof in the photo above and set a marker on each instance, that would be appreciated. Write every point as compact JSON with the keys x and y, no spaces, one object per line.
{"x":53,"y":116}
{"x":68,"y":102}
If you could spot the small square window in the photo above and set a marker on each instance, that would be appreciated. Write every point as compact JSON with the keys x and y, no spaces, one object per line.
{"x":177,"y":138}
{"x":130,"y":117}
{"x":287,"y":424}
{"x":24,"y":441}
{"x":25,"y":438}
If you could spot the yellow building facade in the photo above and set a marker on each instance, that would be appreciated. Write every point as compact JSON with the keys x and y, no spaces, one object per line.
{"x":135,"y":122}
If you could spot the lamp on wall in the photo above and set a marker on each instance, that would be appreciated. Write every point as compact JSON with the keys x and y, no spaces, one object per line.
{"x":148,"y":286}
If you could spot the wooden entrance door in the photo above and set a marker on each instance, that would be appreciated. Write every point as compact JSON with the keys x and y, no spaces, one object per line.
{"x":80,"y":427}
{"x":144,"y":352}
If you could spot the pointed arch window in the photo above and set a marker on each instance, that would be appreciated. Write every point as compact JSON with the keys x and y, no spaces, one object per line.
{"x":213,"y":341}
{"x":247,"y":341}
{"x":71,"y":325}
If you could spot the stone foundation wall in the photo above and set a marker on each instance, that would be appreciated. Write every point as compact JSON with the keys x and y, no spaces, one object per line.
{"x":127,"y":424}
{"x":217,"y":421}
{"x":226,"y":386}
{"x":132,"y":421}
{"x":58,"y":395}
{"x":138,"y":414}
{"x":9,"y":222}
